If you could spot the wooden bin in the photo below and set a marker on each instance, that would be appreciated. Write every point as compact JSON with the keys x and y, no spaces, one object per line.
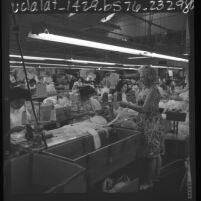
{"x":118,"y":150}
{"x":38,"y":173}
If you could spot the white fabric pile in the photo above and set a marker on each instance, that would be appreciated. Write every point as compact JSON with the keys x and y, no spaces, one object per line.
{"x":174,"y":105}
{"x":50,"y":89}
{"x":63,"y":102}
{"x":183,"y":128}
{"x":90,"y":126}
{"x":124,"y":118}
{"x":50,"y":100}
{"x":126,"y":112}
{"x":185,"y":96}
{"x":18,"y":137}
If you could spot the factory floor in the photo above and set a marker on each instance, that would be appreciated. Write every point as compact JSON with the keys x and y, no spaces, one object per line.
{"x":169,"y":186}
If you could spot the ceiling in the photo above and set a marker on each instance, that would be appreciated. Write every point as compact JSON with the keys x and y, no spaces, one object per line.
{"x":164,"y":33}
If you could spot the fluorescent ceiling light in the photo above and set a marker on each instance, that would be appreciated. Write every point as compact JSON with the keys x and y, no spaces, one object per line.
{"x":112,"y":67}
{"x":33,"y":63}
{"x":107,"y":70}
{"x":48,"y":64}
{"x":108,"y":18}
{"x":13,"y":66}
{"x":90,"y":62}
{"x":36,"y":58}
{"x":15,"y":62}
{"x":83,"y":61}
{"x":89,"y":67}
{"x":132,"y":65}
{"x":85,"y":43}
{"x":138,"y":57}
{"x":58,"y":59}
{"x":98,"y":45}
{"x":131,"y":68}
{"x":120,"y":68}
{"x":166,"y":67}
{"x":161,"y":56}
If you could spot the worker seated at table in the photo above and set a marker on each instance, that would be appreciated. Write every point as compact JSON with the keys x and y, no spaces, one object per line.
{"x":18,"y":111}
{"x":77,"y":84}
{"x":120,"y":95}
{"x":88,"y":105}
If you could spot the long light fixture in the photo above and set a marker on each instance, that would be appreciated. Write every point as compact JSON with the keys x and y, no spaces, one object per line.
{"x":166,"y":67}
{"x":153,"y":66}
{"x":76,"y":61}
{"x":132,"y":65}
{"x":47,"y":67}
{"x":131,"y":68}
{"x":68,"y":65}
{"x":51,"y":64}
{"x":36,"y":63}
{"x":91,"y":62}
{"x":36,"y":58}
{"x":58,"y":59}
{"x":138,"y":57}
{"x":13,"y":66}
{"x":120,"y":68}
{"x":102,"y":46}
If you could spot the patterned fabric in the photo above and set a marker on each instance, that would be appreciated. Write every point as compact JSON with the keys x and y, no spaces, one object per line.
{"x":151,"y":123}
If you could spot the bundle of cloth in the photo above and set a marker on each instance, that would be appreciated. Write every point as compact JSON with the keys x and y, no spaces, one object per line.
{"x":88,"y":127}
{"x":184,"y":96}
{"x":62,"y":101}
{"x":18,"y":137}
{"x":51,"y":89}
{"x":50,"y":100}
{"x":174,"y":105}
{"x":181,"y":106}
{"x":125,"y":118}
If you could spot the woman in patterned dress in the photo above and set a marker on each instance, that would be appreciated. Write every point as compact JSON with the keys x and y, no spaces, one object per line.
{"x":149,"y":122}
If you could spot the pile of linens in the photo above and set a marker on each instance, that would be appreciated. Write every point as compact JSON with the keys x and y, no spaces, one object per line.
{"x":88,"y":127}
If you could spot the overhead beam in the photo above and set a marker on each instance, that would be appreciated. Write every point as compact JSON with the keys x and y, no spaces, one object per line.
{"x":150,"y":23}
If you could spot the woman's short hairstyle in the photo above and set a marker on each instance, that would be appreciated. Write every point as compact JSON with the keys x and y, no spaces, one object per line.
{"x":120,"y":85}
{"x":149,"y":73}
{"x":86,"y":91}
{"x":32,"y":81}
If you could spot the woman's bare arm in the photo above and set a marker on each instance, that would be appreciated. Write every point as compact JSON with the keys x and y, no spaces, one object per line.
{"x":147,"y":104}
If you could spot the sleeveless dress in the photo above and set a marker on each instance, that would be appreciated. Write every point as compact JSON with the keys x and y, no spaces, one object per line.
{"x":150,"y":123}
